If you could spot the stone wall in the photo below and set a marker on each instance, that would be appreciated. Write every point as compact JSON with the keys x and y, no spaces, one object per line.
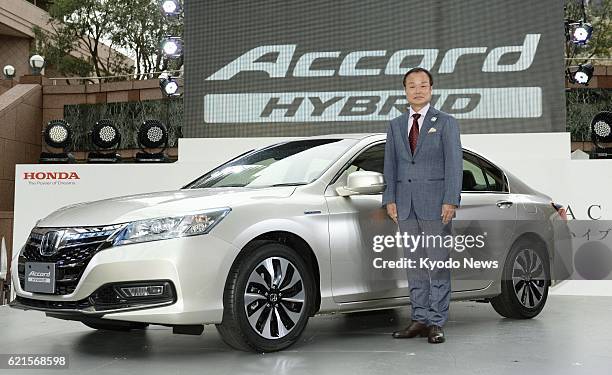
{"x":15,"y":51}
{"x":20,"y":135}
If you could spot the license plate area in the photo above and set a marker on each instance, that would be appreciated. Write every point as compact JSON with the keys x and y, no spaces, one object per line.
{"x":40,"y":277}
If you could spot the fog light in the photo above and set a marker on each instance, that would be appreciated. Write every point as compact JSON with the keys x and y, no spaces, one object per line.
{"x":143,"y":291}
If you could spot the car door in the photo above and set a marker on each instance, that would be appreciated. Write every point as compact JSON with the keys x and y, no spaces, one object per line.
{"x":487,"y":210}
{"x":354,"y":221}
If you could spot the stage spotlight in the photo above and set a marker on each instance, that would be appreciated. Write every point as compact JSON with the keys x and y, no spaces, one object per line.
{"x":169,"y":85}
{"x":57,"y":134}
{"x":152,"y":135}
{"x":580,"y":32}
{"x":171,"y":7}
{"x":601,"y":132}
{"x":172,"y":47}
{"x":581,"y":74}
{"x":105,"y":136}
{"x":9,"y":72}
{"x":584,"y":73}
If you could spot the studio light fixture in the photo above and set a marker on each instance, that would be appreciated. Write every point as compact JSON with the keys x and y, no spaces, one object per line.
{"x":57,"y":134}
{"x":105,"y":135}
{"x":172,"y":47}
{"x":152,"y":135}
{"x":601,"y":133}
{"x":9,"y":72}
{"x":580,"y":74}
{"x":171,"y":7}
{"x":37,"y":64}
{"x":169,"y":85}
{"x":580,"y":32}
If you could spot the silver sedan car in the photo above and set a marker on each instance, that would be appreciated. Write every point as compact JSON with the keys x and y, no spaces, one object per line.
{"x":263,"y":242}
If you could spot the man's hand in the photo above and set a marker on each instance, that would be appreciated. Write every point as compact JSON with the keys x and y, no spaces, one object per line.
{"x":448,"y":211}
{"x":392,"y":211}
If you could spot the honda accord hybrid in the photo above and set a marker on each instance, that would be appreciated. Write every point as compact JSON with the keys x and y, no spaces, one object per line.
{"x":264,"y":241}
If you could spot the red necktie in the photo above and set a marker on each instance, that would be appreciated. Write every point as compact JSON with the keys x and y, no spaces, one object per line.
{"x":414,"y":132}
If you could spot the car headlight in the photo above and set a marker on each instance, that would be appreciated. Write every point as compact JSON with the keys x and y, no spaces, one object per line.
{"x":170,"y":227}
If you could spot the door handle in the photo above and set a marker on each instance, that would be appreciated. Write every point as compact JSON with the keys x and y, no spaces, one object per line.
{"x":504,"y":204}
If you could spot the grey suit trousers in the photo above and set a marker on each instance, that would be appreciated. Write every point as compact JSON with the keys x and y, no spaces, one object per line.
{"x":430,"y":289}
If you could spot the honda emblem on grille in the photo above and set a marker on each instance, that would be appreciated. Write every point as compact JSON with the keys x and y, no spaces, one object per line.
{"x":50,"y":243}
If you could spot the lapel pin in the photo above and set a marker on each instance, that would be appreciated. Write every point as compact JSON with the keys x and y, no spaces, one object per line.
{"x":433,"y":119}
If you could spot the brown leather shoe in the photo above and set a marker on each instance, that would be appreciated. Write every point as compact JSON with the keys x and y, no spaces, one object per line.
{"x":415,"y":329}
{"x":435,"y":335}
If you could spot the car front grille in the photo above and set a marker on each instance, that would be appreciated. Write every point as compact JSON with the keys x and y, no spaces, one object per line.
{"x":76,"y":248}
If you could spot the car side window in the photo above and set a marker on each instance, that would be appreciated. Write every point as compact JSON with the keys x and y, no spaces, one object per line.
{"x":480,"y":175}
{"x":495,"y":177}
{"x":473,"y":177}
{"x":371,"y":159}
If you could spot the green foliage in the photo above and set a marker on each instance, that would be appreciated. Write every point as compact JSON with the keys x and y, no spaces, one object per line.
{"x":84,"y":23}
{"x":57,"y":54}
{"x":135,"y":27}
{"x":127,"y":117}
{"x":582,"y":105}
{"x":141,"y":27}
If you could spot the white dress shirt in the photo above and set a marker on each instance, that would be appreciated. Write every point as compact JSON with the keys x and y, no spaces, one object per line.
{"x":421,"y":119}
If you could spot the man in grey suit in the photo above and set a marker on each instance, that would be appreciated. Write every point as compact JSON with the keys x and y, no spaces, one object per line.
{"x":424,"y":172}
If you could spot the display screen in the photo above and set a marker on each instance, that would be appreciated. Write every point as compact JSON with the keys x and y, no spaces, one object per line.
{"x":294,"y":68}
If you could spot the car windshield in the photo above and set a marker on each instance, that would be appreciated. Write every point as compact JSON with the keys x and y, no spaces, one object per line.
{"x":284,"y":164}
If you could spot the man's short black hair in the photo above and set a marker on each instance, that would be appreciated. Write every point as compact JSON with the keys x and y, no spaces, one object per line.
{"x":416,"y":70}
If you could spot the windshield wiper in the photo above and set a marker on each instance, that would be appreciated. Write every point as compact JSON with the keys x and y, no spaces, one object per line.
{"x":290,"y":184}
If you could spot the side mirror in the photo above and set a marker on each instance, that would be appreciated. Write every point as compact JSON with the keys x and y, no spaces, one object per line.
{"x":362,"y":182}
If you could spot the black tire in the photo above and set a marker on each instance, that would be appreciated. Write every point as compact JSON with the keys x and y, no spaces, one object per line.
{"x":114,"y":325}
{"x":236,"y":329}
{"x":534,"y":292}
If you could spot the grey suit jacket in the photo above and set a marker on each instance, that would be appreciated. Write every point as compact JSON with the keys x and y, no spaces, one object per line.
{"x":432,"y":176}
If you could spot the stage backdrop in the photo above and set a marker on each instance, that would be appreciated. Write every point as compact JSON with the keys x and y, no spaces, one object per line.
{"x":284,"y":68}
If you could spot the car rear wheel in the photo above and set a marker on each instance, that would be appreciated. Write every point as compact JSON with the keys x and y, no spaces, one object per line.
{"x":267,"y":299}
{"x":525,"y":282}
{"x":114,"y":325}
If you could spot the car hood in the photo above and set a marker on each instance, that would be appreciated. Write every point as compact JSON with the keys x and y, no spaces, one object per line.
{"x":155,"y":205}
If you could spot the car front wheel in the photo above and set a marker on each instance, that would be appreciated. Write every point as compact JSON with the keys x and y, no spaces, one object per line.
{"x":267,"y":299}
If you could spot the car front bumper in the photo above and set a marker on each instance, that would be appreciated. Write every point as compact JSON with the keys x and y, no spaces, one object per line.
{"x":196,"y":267}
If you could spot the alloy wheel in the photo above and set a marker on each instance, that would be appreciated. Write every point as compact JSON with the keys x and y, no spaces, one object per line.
{"x":528,"y":278}
{"x":274,"y":298}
